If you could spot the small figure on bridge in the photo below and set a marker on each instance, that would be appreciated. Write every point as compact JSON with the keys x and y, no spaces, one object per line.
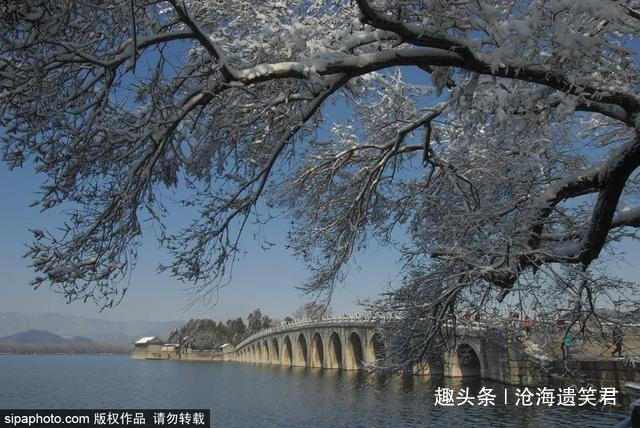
{"x":617,"y":334}
{"x":527,"y":325}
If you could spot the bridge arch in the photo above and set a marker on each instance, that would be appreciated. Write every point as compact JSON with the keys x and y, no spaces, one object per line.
{"x":267,"y":354}
{"x":287,"y":351}
{"x":467,"y":361}
{"x":355,"y":353}
{"x":352,"y":343}
{"x":334,"y":356}
{"x":376,"y":348}
{"x":275,"y":351}
{"x":301,"y":351}
{"x":317,"y":351}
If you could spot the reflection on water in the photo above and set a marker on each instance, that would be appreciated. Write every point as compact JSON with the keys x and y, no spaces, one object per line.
{"x":253,"y":395}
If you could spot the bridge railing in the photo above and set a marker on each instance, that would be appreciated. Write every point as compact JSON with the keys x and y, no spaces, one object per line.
{"x":295,"y":325}
{"x":331,"y":321}
{"x":500,"y":323}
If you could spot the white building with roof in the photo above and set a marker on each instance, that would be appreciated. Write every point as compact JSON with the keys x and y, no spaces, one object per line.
{"x":148,"y":347}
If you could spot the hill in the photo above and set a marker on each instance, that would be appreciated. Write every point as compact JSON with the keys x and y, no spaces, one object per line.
{"x":45,"y":342}
{"x":117,"y":332}
{"x":40,"y":337}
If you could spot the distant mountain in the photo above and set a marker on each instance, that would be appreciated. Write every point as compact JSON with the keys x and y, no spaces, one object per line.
{"x":45,"y":342}
{"x":117,"y":332}
{"x":38,"y":337}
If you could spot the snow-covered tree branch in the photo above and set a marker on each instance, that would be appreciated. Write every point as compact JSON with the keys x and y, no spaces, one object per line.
{"x":511,"y":154}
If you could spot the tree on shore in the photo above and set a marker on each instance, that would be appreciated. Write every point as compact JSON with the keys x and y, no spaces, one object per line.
{"x":256,"y":321}
{"x":206,"y":334}
{"x":502,"y":171}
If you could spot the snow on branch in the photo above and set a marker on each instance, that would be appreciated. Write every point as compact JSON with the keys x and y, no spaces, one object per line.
{"x":487,"y":144}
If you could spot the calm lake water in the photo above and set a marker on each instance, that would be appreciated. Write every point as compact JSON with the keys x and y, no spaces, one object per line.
{"x":245,"y":395}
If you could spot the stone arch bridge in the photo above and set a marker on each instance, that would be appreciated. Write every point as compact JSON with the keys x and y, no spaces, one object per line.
{"x":352,"y":343}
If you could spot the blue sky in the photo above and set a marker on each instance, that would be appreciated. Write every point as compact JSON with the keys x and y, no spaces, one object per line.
{"x":265,"y":279}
